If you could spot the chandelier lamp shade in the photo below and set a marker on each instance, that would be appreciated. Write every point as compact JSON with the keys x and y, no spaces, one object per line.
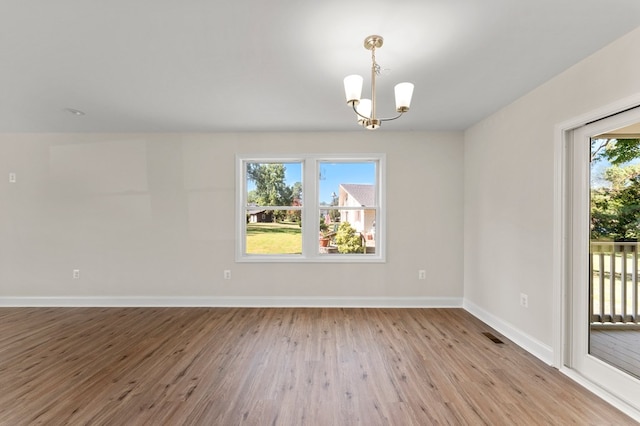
{"x":364,"y":108}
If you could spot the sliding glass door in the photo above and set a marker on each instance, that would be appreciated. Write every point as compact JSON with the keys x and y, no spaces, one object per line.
{"x":605,"y":228}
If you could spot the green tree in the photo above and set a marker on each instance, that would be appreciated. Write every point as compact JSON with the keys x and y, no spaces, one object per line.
{"x":627,"y":202}
{"x":296,"y":198}
{"x":619,"y":177}
{"x":615,"y":151}
{"x":271,"y":188}
{"x":348,"y":239}
{"x":252,"y":197}
{"x":615,"y":208}
{"x":615,"y":214}
{"x":334,"y":214}
{"x":296,"y":191}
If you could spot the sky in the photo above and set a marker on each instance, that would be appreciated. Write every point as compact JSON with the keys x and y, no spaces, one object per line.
{"x":333,"y":174}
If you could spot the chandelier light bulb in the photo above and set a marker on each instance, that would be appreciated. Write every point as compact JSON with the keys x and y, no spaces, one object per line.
{"x":404,"y":92}
{"x":353,"y":88}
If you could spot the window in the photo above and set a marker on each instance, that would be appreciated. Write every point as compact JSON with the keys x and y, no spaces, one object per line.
{"x":310,"y":208}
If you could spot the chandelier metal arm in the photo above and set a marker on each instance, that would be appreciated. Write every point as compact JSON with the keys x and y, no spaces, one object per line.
{"x":392,"y":118}
{"x":379,"y":119}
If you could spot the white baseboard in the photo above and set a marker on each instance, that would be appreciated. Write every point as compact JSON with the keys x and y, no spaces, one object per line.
{"x":229,"y":301}
{"x":528,"y":343}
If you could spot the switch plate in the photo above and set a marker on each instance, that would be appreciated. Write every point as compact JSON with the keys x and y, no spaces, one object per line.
{"x":227,"y":274}
{"x":422,"y":274}
{"x":76,"y":274}
{"x":12,"y":177}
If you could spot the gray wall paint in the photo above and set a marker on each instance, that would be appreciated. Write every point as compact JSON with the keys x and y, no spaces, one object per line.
{"x":509,"y":186}
{"x":153,"y":215}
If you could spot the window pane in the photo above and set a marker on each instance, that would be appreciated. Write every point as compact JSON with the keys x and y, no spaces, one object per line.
{"x":348,"y":183}
{"x":338,"y":236}
{"x":274,"y":184}
{"x":270,"y":237}
{"x":273,"y":208}
{"x":346,"y":188}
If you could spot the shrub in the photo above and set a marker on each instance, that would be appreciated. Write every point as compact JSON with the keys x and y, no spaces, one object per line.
{"x":348,"y":240}
{"x":323,"y":226}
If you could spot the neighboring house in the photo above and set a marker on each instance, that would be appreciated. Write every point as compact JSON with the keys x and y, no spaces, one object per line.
{"x":260,"y":215}
{"x":358,"y":195}
{"x":256,"y":216}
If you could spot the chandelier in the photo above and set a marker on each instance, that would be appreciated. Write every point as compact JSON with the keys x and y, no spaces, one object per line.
{"x":365,"y":109}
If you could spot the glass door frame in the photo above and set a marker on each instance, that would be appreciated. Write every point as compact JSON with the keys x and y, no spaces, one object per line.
{"x":613,"y":380}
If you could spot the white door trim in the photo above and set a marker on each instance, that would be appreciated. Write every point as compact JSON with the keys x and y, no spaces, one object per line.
{"x":561,"y":219}
{"x":562,"y":244}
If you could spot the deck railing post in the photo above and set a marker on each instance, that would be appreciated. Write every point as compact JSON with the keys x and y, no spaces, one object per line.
{"x":634,"y":287}
{"x":612,"y":285}
{"x":620,"y":284}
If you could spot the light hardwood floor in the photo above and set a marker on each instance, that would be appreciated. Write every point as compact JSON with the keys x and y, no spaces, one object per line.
{"x":302,"y":366}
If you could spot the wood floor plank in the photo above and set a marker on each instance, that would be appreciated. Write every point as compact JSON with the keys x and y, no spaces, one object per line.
{"x":295,"y":366}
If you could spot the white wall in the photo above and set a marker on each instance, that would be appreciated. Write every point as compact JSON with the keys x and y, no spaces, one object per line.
{"x":509,"y":172}
{"x":153,"y":216}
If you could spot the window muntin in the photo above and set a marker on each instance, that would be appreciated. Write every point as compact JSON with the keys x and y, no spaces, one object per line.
{"x":336,"y":189}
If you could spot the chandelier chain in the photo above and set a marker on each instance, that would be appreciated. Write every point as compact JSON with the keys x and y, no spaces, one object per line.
{"x":374,"y":64}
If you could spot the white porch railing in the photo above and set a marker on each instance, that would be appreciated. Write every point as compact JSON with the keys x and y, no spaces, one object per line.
{"x":615,"y":288}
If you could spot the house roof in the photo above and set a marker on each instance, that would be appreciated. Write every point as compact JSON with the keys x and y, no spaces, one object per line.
{"x":253,"y":208}
{"x":236,"y":66}
{"x":364,"y":194}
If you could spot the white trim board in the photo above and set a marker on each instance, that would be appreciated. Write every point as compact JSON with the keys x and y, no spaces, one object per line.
{"x":528,"y":343}
{"x":562,"y":136}
{"x":229,"y":301}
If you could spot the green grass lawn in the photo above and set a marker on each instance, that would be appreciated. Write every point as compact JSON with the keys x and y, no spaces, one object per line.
{"x":274,"y":238}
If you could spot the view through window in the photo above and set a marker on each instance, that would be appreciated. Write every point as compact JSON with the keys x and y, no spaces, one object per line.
{"x":313,"y":208}
{"x":615,"y":229}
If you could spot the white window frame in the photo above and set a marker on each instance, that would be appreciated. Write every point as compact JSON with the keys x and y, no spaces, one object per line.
{"x":311,"y":208}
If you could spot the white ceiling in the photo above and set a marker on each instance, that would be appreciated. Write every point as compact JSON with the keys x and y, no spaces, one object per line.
{"x":256,"y":65}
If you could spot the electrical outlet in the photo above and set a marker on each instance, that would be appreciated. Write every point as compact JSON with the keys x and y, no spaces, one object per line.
{"x":524,"y":300}
{"x":422,"y":274}
{"x":76,"y":274}
{"x":227,"y":274}
{"x":12,"y":177}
